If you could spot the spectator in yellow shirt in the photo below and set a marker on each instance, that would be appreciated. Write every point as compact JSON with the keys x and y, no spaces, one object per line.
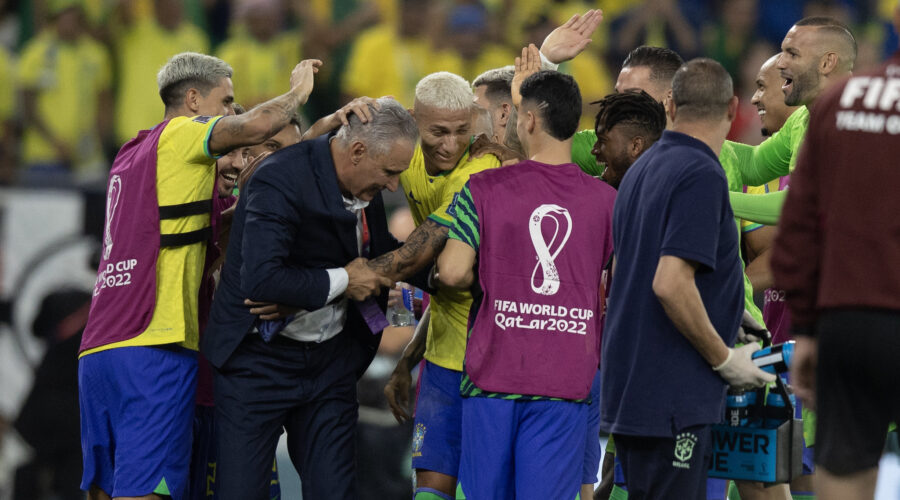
{"x":65,"y":77}
{"x":391,"y":59}
{"x":143,"y":44}
{"x":260,"y":51}
{"x":7,"y":126}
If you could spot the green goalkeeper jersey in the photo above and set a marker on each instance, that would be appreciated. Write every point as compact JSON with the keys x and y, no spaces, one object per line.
{"x":731,"y":161}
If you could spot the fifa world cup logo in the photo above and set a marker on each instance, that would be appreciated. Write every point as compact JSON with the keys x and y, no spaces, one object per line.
{"x":546,"y":252}
{"x":112,"y":201}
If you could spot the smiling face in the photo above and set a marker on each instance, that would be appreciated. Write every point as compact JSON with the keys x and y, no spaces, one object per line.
{"x":769,"y":99}
{"x":798,"y":63}
{"x":613,"y":148}
{"x":228,"y":168}
{"x":444,"y":136}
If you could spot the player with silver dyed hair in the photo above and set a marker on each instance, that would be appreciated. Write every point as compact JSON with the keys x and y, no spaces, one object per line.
{"x":444,"y":111}
{"x":137,"y":403}
{"x":444,"y":90}
{"x":190,"y":70}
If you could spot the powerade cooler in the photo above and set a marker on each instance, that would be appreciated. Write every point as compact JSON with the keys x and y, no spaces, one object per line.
{"x":760,"y":440}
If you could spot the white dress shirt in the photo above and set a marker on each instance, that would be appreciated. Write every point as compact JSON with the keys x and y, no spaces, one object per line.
{"x":326,"y":322}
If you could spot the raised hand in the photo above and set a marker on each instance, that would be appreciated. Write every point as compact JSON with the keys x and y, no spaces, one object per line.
{"x":568,"y":40}
{"x":526,"y":65}
{"x":302,"y":78}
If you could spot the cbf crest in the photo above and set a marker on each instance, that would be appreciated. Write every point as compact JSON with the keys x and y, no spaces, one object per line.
{"x":418,"y":438}
{"x":684,"y":449}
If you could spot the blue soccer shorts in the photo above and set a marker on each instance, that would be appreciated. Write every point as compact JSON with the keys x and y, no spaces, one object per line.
{"x":137,"y":406}
{"x":437,"y":434}
{"x":522,"y":449}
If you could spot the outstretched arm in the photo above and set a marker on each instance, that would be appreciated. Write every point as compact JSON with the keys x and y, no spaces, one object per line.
{"x":772,"y":158}
{"x":420,"y":249}
{"x":761,"y":208}
{"x":358,"y":106}
{"x":268,"y":118}
{"x":570,"y":39}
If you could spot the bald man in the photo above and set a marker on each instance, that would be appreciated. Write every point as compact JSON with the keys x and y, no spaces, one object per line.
{"x":816,"y":52}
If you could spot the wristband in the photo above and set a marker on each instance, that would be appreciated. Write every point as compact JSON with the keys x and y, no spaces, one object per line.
{"x":546,"y":64}
{"x":730,"y":355}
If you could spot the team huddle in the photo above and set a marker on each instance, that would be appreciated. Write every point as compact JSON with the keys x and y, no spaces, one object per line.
{"x":578,"y":281}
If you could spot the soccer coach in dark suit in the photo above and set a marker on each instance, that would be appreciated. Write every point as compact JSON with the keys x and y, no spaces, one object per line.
{"x":303,"y":221}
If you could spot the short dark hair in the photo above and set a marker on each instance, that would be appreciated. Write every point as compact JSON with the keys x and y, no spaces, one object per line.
{"x":558,"y":101}
{"x":663,"y":62}
{"x":701,"y":89}
{"x":633,"y":109}
{"x":497,"y":83}
{"x":838,"y":29}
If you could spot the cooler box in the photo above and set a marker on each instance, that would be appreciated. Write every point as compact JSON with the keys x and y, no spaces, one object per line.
{"x":757,"y":454}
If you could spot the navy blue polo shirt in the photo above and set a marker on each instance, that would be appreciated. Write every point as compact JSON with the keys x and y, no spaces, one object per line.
{"x":673,"y":201}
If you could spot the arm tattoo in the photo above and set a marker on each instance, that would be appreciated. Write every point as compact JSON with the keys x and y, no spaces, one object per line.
{"x":267,"y":119}
{"x":420,"y":249}
{"x":279,"y":111}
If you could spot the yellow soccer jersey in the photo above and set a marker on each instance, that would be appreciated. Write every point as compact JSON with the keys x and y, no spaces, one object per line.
{"x":185,"y":172}
{"x":381,"y":63}
{"x":432,"y":197}
{"x":68,"y":78}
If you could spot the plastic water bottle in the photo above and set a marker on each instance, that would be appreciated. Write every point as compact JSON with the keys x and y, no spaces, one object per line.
{"x":776,"y":409}
{"x":401,"y":313}
{"x":776,"y":358}
{"x":754,"y":413}
{"x":736,"y":407}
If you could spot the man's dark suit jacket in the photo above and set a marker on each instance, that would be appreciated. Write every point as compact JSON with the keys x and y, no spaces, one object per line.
{"x":289,"y":226}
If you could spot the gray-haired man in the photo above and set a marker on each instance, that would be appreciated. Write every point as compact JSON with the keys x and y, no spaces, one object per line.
{"x":138,"y":357}
{"x":303,"y":227}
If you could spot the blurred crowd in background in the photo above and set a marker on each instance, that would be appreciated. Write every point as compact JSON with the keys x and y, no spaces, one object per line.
{"x":78,"y":76}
